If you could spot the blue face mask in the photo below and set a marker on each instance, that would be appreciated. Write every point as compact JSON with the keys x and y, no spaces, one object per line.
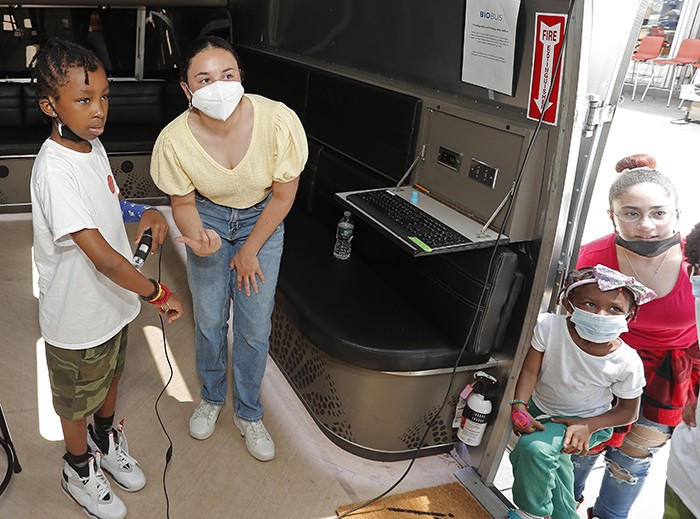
{"x":695,"y":281}
{"x":598,"y":328}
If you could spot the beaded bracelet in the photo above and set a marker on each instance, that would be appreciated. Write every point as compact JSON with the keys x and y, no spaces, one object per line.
{"x":518,"y":401}
{"x":156,"y":291}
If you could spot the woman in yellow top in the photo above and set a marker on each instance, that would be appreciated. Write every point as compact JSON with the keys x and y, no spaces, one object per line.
{"x":231,"y":166}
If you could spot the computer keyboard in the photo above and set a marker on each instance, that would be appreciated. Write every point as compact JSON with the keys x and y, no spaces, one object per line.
{"x":407,"y":220}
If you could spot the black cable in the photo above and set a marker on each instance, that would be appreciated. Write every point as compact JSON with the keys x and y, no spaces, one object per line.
{"x":509,"y":207}
{"x":169,"y":452}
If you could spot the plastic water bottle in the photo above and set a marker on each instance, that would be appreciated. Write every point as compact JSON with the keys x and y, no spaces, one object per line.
{"x":343,"y":237}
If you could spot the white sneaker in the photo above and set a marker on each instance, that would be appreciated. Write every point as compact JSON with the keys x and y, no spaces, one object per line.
{"x":93,"y":493}
{"x":117,"y":462}
{"x":204,"y":419}
{"x":257,"y":439}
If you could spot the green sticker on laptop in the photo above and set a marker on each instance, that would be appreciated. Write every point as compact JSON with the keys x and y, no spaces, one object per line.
{"x":420,"y":243}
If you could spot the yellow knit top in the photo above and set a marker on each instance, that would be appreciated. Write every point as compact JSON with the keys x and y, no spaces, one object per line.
{"x":277,"y":153}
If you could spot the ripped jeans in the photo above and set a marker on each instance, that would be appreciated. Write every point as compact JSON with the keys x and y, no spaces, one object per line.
{"x":624,"y":474}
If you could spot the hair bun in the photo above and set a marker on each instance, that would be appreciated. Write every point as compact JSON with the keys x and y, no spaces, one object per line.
{"x":640,"y":160}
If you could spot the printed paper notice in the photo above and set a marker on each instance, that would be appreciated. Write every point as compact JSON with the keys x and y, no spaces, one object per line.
{"x":489,"y":44}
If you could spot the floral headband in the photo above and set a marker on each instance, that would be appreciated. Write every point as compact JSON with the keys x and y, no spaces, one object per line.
{"x":607,"y":279}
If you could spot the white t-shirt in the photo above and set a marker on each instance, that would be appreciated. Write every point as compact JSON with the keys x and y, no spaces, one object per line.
{"x":684,"y":456}
{"x":78,"y":307}
{"x":574,"y":383}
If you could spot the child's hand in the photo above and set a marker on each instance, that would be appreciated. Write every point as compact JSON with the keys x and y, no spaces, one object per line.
{"x":577,"y":437}
{"x":689,"y":414}
{"x":155,"y":221}
{"x":208,"y":243}
{"x":172,"y":310}
{"x":523,"y":422}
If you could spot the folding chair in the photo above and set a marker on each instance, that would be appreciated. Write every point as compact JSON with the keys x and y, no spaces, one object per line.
{"x":13,"y":465}
{"x":649,"y":48}
{"x":688,"y":53}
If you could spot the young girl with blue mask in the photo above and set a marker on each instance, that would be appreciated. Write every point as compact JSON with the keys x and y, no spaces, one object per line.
{"x":563,"y":401}
{"x":645,"y":243}
{"x":682,"y":484}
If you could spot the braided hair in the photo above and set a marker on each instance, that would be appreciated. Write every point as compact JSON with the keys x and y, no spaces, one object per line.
{"x":52,"y":62}
{"x":632,"y":177}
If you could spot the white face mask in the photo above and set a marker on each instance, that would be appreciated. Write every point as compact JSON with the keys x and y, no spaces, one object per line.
{"x":598,"y":328}
{"x":219,"y":99}
{"x":695,"y":280}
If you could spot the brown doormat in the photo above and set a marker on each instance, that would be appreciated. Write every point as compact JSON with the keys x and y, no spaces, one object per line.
{"x":445,"y":501}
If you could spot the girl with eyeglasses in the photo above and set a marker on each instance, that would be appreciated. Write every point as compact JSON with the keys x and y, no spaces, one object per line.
{"x":645,"y":244}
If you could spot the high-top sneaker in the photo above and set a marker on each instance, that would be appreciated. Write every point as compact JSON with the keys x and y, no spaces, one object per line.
{"x":93,"y":493}
{"x":116,"y":461}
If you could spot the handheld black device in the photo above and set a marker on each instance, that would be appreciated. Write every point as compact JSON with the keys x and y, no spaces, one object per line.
{"x":143,"y":249}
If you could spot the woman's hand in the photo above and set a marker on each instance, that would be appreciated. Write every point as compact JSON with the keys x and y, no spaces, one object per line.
{"x":247,"y":268}
{"x":152,"y":219}
{"x":208,"y":243}
{"x":172,"y":310}
{"x":577,"y":437}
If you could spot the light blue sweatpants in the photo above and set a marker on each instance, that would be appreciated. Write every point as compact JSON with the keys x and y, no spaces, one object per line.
{"x":544,"y":477}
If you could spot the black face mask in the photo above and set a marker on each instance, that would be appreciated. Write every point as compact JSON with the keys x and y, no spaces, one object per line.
{"x":649,"y":249}
{"x":67,"y":133}
{"x":63,"y":130}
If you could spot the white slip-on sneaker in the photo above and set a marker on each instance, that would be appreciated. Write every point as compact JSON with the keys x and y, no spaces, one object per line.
{"x":117,"y":461}
{"x":93,"y":493}
{"x":257,"y":439}
{"x":204,"y":419}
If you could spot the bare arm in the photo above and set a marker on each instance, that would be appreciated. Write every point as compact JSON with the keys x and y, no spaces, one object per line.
{"x":579,"y":430}
{"x":203,"y":242}
{"x":526,"y":385}
{"x":245,"y":261}
{"x":118,"y":269}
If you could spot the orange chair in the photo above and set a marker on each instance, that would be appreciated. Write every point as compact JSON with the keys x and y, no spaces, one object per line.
{"x":688,"y":53}
{"x":649,"y":48}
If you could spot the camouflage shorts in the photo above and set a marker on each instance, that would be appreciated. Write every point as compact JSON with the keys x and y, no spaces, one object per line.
{"x":80,"y":378}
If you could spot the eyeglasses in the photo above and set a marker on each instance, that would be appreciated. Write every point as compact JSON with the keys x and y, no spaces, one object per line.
{"x":657,"y":216}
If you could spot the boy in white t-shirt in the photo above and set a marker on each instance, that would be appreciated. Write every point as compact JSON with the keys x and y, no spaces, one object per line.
{"x":88,"y":288}
{"x":682,"y":496}
{"x":575,"y":366}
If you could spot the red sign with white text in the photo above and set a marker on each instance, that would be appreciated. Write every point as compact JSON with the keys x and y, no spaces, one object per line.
{"x":549,"y":44}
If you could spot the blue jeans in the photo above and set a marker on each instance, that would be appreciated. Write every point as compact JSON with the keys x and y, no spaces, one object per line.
{"x":213,"y":285}
{"x":616,"y":495}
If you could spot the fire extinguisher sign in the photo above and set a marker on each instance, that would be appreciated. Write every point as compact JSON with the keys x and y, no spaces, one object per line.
{"x":548,"y":45}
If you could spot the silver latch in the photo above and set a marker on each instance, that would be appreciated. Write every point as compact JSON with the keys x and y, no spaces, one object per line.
{"x":597,"y":114}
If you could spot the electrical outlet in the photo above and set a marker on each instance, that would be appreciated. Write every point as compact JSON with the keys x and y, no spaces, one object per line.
{"x":449,"y":158}
{"x":483,"y":173}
